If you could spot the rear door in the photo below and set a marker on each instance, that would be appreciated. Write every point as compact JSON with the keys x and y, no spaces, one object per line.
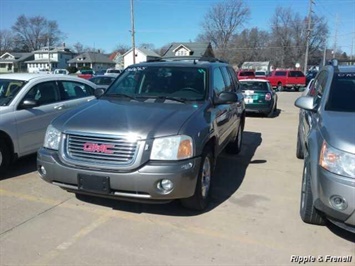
{"x":75,"y":93}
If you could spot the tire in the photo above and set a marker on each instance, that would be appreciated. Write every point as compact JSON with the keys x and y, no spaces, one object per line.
{"x":297,"y":88}
{"x":299,"y":149}
{"x":235,"y":146}
{"x":4,"y":156}
{"x":309,"y":214}
{"x":202,"y":194}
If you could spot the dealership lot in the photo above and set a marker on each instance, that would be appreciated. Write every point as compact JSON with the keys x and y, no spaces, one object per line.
{"x":254,"y":217}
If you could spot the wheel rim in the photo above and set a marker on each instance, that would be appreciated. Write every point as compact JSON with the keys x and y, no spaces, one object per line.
{"x":303,"y":190}
{"x":206,"y":177}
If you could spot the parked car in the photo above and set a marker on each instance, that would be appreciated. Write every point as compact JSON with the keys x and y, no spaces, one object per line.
{"x":246,"y":74}
{"x":112,"y":71}
{"x":287,"y":79}
{"x":28,"y":103}
{"x":103,"y":81}
{"x":85,"y":73}
{"x":311,"y":75}
{"x":153,"y":136}
{"x":260,"y":74}
{"x":61,"y":71}
{"x":100,"y":72}
{"x":259,"y":97}
{"x":327,"y":138}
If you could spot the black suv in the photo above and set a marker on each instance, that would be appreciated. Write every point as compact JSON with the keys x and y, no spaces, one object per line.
{"x":153,"y":135}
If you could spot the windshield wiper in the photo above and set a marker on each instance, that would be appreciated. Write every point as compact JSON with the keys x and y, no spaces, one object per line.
{"x":175,"y":99}
{"x":120,"y":95}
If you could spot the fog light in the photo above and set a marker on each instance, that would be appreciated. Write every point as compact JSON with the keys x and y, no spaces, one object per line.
{"x":338,"y":202}
{"x":165,"y":185}
{"x":42,"y":171}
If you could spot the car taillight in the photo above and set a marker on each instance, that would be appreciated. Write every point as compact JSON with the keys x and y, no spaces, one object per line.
{"x":267,"y":96}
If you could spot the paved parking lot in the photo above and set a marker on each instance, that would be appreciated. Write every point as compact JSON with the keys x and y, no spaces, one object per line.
{"x":254,"y":217}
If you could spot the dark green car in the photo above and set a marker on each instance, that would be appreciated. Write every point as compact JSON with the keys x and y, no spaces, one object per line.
{"x":259,"y":97}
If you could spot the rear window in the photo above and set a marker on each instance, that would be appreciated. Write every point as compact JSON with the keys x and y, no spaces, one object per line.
{"x":254,"y":86}
{"x":246,"y":73}
{"x":342,"y":93}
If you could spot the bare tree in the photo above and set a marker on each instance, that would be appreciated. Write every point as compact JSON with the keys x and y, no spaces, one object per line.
{"x":122,"y":48}
{"x":78,"y":47}
{"x":35,"y":32}
{"x":222,"y":21}
{"x":250,"y":45}
{"x":6,"y":41}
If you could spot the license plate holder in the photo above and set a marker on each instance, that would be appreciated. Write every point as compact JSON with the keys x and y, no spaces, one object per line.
{"x":94,"y":183}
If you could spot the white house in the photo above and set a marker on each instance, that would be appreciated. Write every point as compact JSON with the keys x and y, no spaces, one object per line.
{"x":49,"y":59}
{"x":14,"y":62}
{"x":141,"y":54}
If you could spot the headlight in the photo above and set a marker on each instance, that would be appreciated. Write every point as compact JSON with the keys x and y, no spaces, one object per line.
{"x":52,"y":138}
{"x":172,"y":148}
{"x":336,"y":161}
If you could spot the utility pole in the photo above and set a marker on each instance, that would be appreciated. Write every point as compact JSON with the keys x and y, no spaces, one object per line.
{"x":308,"y":35}
{"x":49,"y":58}
{"x":335,"y":36}
{"x":132,"y":31}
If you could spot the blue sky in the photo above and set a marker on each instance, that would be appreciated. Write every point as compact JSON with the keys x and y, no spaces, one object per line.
{"x":104,"y":24}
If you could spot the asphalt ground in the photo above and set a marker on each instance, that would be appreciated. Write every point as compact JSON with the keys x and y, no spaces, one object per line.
{"x":253,"y":219}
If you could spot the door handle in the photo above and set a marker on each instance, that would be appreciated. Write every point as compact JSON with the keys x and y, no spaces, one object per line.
{"x":59,"y":107}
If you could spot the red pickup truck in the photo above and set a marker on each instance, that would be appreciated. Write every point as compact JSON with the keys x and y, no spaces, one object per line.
{"x":281,"y":79}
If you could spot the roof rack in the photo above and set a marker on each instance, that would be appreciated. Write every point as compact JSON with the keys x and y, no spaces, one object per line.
{"x":187,"y":58}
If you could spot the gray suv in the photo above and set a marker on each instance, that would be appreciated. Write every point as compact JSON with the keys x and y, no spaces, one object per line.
{"x":152,"y":136}
{"x":326,"y":140}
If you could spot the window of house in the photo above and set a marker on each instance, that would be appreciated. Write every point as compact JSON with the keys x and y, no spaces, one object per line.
{"x":40,"y":56}
{"x":181,"y":52}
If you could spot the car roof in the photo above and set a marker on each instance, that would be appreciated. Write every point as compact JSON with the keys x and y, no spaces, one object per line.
{"x":258,"y":80}
{"x":183,"y":62}
{"x":34,"y":76}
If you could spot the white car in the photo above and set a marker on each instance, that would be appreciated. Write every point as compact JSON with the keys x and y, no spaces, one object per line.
{"x":28,"y":103}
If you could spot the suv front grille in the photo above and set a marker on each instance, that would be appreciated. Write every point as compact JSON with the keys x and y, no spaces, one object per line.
{"x":99,"y":150}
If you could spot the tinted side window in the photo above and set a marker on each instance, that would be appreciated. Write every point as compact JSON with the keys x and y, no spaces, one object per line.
{"x":218,"y":81}
{"x":319,"y":86}
{"x":280,"y":73}
{"x":227,"y":78}
{"x":234,"y":78}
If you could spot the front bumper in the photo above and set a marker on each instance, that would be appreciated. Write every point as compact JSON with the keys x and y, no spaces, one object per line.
{"x":330,"y":185}
{"x":138,"y":185}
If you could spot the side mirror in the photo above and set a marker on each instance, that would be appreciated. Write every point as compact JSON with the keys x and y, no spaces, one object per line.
{"x":226,"y":98}
{"x":306,"y":103}
{"x":26,"y":104}
{"x":99,"y":92}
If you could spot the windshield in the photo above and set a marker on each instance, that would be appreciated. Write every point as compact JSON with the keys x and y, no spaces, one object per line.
{"x":8,"y":90}
{"x":187,"y":83}
{"x":342,"y":93}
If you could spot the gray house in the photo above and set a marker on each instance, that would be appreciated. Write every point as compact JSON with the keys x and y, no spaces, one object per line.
{"x":14,"y":62}
{"x":186,"y":49}
{"x":96,"y":61}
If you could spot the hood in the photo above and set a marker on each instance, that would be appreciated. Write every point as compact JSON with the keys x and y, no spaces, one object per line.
{"x":338,"y":130}
{"x":145,"y":119}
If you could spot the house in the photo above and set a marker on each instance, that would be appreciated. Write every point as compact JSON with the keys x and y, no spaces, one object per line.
{"x":117,"y":57}
{"x":142,"y":55}
{"x":186,"y":49}
{"x":49,"y":58}
{"x":94,"y":60}
{"x":14,"y":62}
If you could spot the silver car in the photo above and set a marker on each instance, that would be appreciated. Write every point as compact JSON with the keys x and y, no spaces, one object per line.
{"x":28,"y":103}
{"x":326,"y":140}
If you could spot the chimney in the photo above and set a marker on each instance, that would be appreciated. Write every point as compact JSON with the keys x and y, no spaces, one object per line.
{"x":63,"y":44}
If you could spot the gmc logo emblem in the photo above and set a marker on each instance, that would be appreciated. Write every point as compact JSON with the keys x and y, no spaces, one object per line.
{"x":93,"y":147}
